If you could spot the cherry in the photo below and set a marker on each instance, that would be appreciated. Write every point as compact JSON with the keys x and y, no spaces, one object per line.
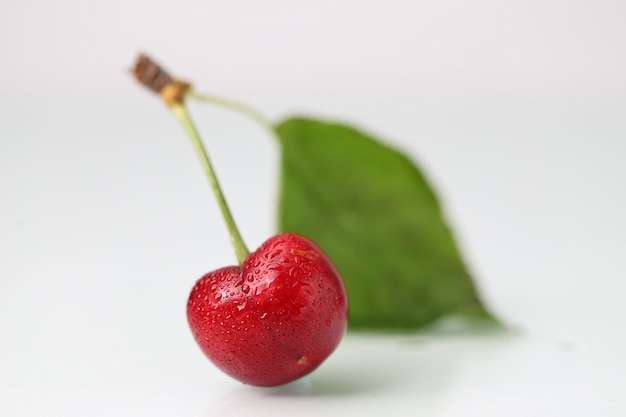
{"x":277,"y":315}
{"x":275,"y":318}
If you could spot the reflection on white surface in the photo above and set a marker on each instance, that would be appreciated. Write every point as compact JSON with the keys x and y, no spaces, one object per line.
{"x":429,"y":375}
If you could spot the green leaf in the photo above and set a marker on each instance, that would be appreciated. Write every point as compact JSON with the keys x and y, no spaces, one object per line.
{"x":373,"y":212}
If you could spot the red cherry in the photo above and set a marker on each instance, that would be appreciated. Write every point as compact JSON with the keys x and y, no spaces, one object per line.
{"x":274,"y":319}
{"x":280,"y":313}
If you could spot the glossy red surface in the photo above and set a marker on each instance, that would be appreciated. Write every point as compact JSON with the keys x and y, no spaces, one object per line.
{"x":276,"y":318}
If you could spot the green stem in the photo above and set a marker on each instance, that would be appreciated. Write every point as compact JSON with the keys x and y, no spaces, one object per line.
{"x":181,"y":113}
{"x":236,"y":106}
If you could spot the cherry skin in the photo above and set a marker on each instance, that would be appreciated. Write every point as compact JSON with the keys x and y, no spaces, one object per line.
{"x":274,"y":319}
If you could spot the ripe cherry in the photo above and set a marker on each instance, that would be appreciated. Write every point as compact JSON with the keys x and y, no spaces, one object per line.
{"x":278,"y":314}
{"x":275,"y":318}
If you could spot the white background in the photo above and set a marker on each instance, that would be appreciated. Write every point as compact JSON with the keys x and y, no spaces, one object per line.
{"x":516,"y":110}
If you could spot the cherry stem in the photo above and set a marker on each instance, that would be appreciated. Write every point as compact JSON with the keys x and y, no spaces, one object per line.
{"x":180,"y":111}
{"x":234,"y":105}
